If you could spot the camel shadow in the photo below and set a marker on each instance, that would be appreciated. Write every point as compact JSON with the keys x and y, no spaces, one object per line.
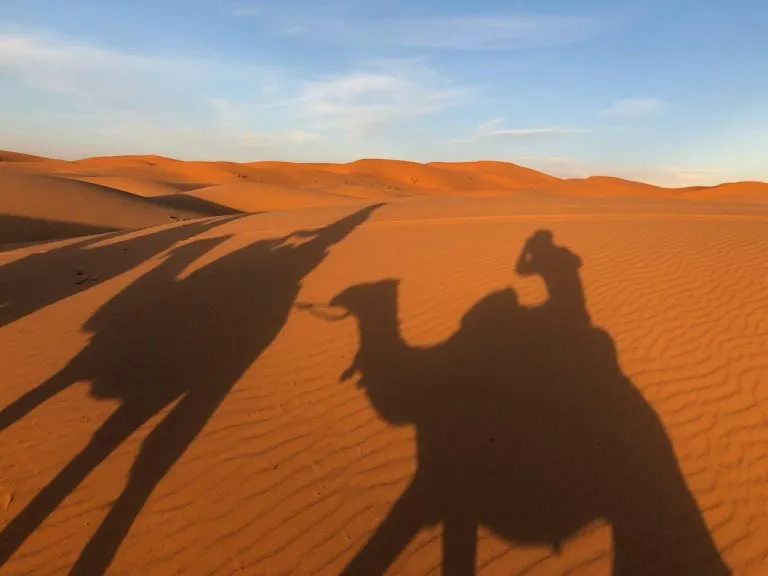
{"x":41,"y":279}
{"x":525,"y":424}
{"x":166,"y":339}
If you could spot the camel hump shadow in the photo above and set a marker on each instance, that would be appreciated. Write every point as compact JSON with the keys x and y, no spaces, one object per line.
{"x":525,"y":424}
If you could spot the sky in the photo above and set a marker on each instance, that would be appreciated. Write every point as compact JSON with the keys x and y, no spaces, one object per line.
{"x":672,"y":92}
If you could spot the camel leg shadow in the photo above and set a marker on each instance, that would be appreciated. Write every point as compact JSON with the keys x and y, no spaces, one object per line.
{"x":159,"y":452}
{"x":117,"y":428}
{"x":19,"y":408}
{"x":408,"y":516}
{"x":459,"y":545}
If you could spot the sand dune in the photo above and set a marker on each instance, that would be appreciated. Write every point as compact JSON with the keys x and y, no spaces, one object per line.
{"x":127,"y":160}
{"x":139,"y":186}
{"x":8,"y":156}
{"x":249,"y":197}
{"x":15,"y":161}
{"x":607,"y":187}
{"x":151,"y":176}
{"x":184,"y":399}
{"x":748,"y":192}
{"x":502,"y":175}
{"x":38,"y":207}
{"x":405,"y":177}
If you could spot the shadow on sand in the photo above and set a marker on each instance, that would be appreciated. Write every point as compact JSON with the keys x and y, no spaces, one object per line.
{"x":43,"y":278}
{"x":525,"y":424}
{"x":164,"y":340}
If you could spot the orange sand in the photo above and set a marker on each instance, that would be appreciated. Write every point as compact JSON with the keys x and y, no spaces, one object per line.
{"x":183,"y":398}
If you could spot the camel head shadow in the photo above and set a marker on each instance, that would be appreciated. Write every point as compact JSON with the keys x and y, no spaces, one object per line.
{"x":374,"y":305}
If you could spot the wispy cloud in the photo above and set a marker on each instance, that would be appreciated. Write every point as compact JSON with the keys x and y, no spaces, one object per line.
{"x":137,"y":100}
{"x":489,"y":33}
{"x":493,"y":32}
{"x":634,"y":107}
{"x":235,"y":121}
{"x":675,"y":176}
{"x":69,"y":68}
{"x":182,"y":102}
{"x":273,"y":139}
{"x":292,"y":31}
{"x":668,"y":176}
{"x":247,"y":9}
{"x":94,"y":75}
{"x":377,"y":96}
{"x":491,"y":131}
{"x":692,"y":174}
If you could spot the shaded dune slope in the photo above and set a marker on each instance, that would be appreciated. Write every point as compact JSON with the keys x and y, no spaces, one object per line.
{"x":43,"y":207}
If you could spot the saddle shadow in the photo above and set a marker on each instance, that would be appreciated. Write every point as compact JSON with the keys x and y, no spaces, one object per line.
{"x":166,"y":339}
{"x":525,"y":424}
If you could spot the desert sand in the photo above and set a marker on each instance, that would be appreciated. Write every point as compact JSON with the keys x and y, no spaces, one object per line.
{"x":275,"y":368}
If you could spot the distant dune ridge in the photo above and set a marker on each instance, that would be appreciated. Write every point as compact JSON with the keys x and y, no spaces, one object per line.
{"x":194,"y":189}
{"x":379,"y":367}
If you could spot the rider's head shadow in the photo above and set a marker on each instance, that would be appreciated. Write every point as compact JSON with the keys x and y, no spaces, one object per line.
{"x":526,"y":425}
{"x":560,"y":270}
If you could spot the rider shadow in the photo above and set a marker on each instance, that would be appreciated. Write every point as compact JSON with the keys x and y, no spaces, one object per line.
{"x":166,"y":339}
{"x":525,"y":424}
{"x":41,"y":279}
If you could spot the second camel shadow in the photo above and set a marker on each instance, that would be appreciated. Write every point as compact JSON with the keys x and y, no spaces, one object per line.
{"x":525,"y":424}
{"x":166,"y":340}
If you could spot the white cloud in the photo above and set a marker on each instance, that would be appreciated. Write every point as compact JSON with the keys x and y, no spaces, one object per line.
{"x":693,"y":174}
{"x":379,"y":96}
{"x":460,"y":33}
{"x":135,"y":101}
{"x":235,"y":121}
{"x":667,"y":176}
{"x":675,"y":176}
{"x":263,"y":105}
{"x":114,"y":132}
{"x":68,"y":68}
{"x":270,"y":140}
{"x":96,"y":76}
{"x":486,"y":33}
{"x":292,"y":31}
{"x":247,"y":9}
{"x":634,"y":107}
{"x":490,"y":131}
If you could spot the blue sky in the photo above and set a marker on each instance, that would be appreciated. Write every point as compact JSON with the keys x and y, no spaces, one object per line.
{"x":667,"y":91}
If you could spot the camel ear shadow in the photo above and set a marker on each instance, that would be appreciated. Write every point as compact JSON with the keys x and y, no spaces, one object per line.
{"x":557,"y":547}
{"x":348,"y":374}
